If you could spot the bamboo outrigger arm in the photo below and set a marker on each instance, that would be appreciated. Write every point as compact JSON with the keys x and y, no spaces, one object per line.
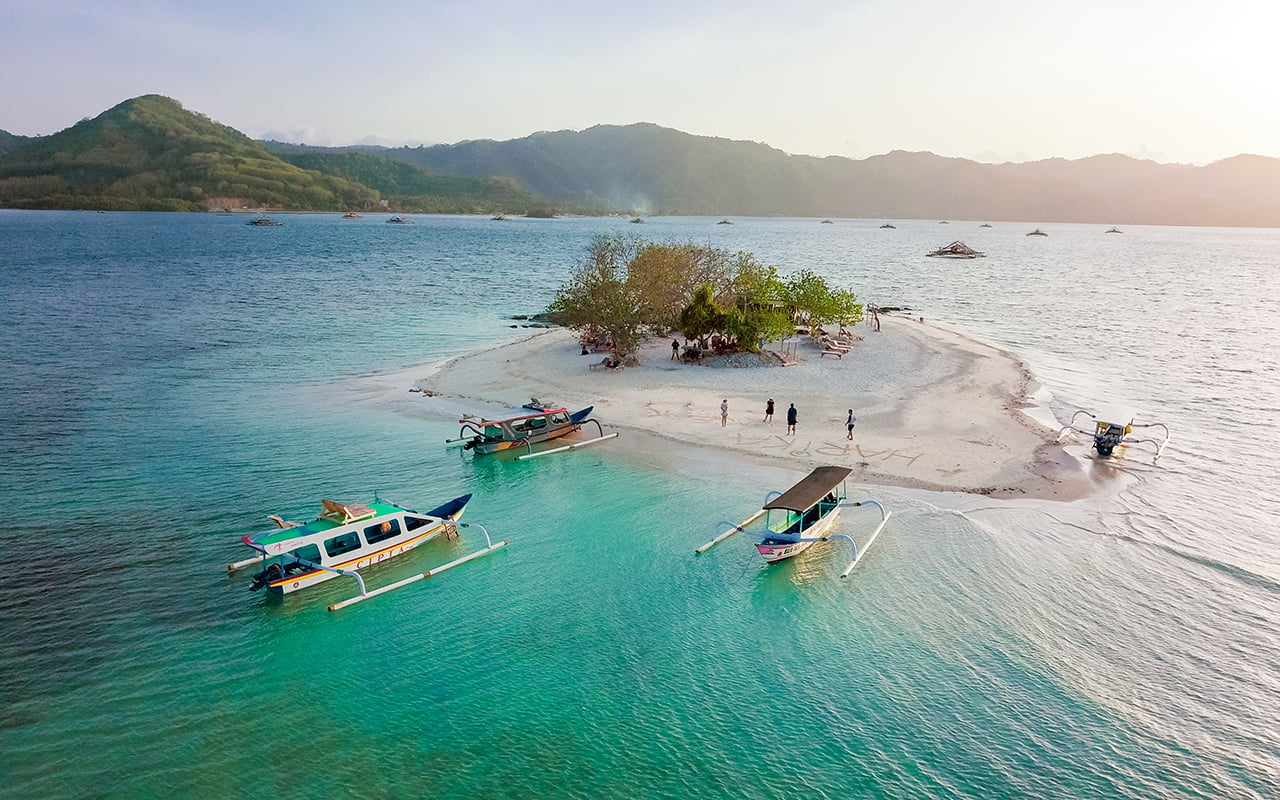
{"x":857,"y":555}
{"x":1160,"y":445}
{"x":738,"y":528}
{"x":365,"y":595}
{"x":1071,"y":426}
{"x":603,"y":437}
{"x":463,"y":435}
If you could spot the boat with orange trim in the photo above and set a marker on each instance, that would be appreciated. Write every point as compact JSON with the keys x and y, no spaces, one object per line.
{"x":347,"y":538}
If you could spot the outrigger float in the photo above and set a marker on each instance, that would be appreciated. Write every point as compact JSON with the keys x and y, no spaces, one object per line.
{"x":1109,"y":435}
{"x":804,"y":514}
{"x":345,"y":539}
{"x":534,"y":423}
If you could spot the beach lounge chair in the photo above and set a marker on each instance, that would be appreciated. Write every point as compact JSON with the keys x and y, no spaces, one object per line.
{"x":833,"y":352}
{"x":601,"y":364}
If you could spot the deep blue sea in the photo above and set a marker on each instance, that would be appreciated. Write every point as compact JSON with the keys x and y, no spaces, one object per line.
{"x":168,"y":380}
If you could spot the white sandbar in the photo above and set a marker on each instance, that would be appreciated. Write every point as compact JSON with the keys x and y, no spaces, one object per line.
{"x":935,"y":409}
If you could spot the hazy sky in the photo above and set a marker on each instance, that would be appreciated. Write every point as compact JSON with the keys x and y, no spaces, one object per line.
{"x":989,"y":80}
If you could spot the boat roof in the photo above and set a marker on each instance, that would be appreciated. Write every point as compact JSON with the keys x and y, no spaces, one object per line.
{"x":328,"y":520}
{"x":806,"y":494}
{"x":512,"y":416}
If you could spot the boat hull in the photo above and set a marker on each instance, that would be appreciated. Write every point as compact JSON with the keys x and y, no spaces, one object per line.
{"x":448,"y":513}
{"x":780,"y":547}
{"x":488,"y":448}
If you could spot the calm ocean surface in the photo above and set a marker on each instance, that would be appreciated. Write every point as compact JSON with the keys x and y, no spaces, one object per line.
{"x":169,"y":380}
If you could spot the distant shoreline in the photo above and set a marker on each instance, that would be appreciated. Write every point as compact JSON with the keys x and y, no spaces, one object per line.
{"x":935,"y":410}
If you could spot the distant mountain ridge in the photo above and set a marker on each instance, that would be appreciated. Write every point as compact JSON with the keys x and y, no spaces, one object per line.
{"x":149,"y":153}
{"x":651,"y":169}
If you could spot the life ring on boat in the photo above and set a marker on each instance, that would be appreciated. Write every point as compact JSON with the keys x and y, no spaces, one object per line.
{"x":450,"y":531}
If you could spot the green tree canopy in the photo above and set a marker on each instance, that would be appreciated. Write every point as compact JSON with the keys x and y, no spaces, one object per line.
{"x":702,"y":317}
{"x":627,"y":288}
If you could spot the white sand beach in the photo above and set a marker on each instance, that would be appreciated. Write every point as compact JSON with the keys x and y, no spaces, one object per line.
{"x":935,"y":410}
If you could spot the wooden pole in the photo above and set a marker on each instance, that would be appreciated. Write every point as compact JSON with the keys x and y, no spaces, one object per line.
{"x":232,"y":567}
{"x":415,"y":578}
{"x":573,"y":446}
{"x":857,"y":556}
{"x":736,"y":529}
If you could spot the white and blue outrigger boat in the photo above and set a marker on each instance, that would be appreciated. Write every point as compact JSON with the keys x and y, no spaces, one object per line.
{"x":1107,"y":436}
{"x":804,"y":514}
{"x":345,"y":539}
{"x":532,"y":424}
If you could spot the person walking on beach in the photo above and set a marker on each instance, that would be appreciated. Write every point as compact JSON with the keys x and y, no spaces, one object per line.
{"x":724,"y":412}
{"x":850,"y":423}
{"x":675,"y":350}
{"x":768,"y":410}
{"x":792,"y":417}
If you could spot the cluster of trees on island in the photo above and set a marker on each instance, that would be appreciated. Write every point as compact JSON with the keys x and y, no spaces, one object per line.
{"x":628,"y":288}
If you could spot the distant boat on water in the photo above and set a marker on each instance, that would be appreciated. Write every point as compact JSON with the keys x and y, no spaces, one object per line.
{"x":637,"y":220}
{"x":943,"y":222}
{"x":1037,"y":232}
{"x":1114,"y":229}
{"x":956,"y":249}
{"x":826,"y":222}
{"x":400,"y":221}
{"x":499,"y":218}
{"x":889,"y":225}
{"x":263,"y":222}
{"x":985,"y":225}
{"x":724,"y":222}
{"x":351,"y":215}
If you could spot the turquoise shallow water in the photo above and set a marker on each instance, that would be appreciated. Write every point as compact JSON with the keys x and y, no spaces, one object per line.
{"x":171,"y":379}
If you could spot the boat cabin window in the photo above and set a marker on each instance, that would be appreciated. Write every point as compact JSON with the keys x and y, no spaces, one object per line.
{"x":413,"y":523}
{"x":308,"y":552}
{"x":537,"y":422}
{"x":342,"y":544}
{"x":383,"y":530}
{"x":560,"y":418}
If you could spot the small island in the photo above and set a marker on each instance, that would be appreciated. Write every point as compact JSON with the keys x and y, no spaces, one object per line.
{"x":936,"y":409}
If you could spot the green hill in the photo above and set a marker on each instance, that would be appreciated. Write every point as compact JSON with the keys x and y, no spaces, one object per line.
{"x":150,"y":154}
{"x":11,"y":141}
{"x":412,"y":188}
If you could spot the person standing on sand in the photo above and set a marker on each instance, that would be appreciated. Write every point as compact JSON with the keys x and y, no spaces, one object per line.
{"x":793,"y":416}
{"x":724,"y":412}
{"x":850,"y":423}
{"x":768,"y":410}
{"x":675,"y":349}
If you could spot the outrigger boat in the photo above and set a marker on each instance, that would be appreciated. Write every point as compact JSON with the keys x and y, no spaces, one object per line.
{"x":534,"y":423}
{"x":347,"y":538}
{"x":802,"y":515}
{"x":1109,"y":435}
{"x":956,"y":249}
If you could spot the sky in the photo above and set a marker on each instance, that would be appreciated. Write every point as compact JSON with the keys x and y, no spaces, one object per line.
{"x":994,"y":81}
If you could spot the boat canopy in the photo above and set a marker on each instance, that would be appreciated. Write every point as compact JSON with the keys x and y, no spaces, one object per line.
{"x":513,"y":416}
{"x":807,"y":493}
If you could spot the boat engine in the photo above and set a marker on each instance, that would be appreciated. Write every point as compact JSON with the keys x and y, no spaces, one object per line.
{"x":1107,"y":437}
{"x":271,"y":573}
{"x":274,"y":573}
